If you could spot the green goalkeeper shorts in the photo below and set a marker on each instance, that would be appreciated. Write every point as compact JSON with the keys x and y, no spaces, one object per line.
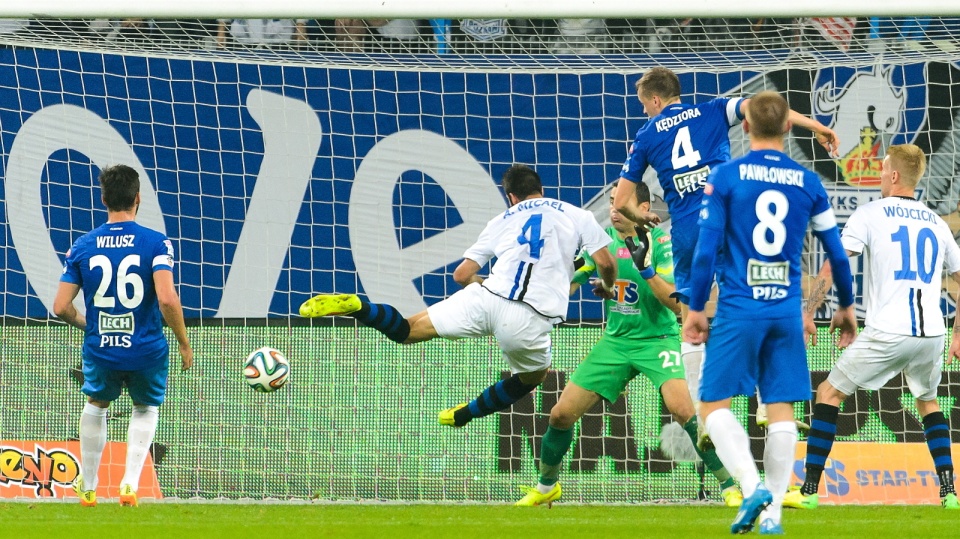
{"x":614,"y":361}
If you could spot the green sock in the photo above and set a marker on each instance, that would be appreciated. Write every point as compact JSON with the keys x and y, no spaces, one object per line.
{"x":709,"y":458}
{"x":555,"y":444}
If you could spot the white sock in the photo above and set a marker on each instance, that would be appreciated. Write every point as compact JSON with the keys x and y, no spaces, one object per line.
{"x":733,"y":448}
{"x":143,"y":425}
{"x":543,"y":489}
{"x":778,"y":463}
{"x":93,"y":437}
{"x":692,"y":356}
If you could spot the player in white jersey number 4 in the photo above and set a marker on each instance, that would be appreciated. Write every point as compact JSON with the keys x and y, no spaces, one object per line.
{"x":906,"y":248}
{"x":535,"y":243}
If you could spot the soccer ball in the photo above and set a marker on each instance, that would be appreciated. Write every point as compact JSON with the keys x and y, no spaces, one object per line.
{"x":266,"y":369}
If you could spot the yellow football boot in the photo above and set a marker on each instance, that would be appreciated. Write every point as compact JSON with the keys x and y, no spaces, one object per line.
{"x":88,"y":498}
{"x":445,"y":417}
{"x":128,"y":496}
{"x":532,"y":497}
{"x":330,"y":305}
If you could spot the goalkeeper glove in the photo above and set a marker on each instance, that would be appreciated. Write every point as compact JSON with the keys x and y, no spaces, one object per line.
{"x":639,"y":248}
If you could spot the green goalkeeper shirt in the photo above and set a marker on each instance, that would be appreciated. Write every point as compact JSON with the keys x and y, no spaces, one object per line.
{"x":635,"y":313}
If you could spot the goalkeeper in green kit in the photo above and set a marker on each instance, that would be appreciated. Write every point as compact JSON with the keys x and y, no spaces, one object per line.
{"x":641,"y":337}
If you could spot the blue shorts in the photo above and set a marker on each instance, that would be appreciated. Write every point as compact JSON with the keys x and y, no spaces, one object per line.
{"x":683,"y":234}
{"x":745,"y":354}
{"x":146,"y":386}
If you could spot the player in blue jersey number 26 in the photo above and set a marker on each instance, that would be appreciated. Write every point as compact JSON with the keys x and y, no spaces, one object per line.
{"x":126,"y":273}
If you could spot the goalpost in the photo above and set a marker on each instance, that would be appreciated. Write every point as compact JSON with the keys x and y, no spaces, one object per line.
{"x":281,"y":170}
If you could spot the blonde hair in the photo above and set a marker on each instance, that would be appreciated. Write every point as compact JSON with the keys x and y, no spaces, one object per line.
{"x":767,"y":113}
{"x":660,"y":82}
{"x":909,"y":161}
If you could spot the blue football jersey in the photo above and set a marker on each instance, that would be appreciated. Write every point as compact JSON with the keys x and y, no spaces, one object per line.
{"x":762,"y":203}
{"x":683,"y":144}
{"x":114,"y":266}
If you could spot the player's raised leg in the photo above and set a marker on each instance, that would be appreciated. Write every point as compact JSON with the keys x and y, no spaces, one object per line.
{"x":523,"y":336}
{"x":380,"y":316}
{"x":497,"y":397}
{"x":574,"y":402}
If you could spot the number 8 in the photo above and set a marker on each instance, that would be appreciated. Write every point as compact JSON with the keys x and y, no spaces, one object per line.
{"x":771,"y":221}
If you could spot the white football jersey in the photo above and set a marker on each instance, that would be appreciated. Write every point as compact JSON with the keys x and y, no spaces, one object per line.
{"x":535,"y":243}
{"x":906,"y":247}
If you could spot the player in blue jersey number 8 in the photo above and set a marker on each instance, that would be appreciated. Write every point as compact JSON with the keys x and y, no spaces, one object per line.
{"x":756,"y":211}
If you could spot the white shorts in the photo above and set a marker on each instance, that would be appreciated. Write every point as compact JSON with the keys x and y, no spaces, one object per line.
{"x":875,"y":357}
{"x":522,"y":333}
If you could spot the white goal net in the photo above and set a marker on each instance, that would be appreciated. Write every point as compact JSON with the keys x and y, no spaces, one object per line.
{"x":289,"y":157}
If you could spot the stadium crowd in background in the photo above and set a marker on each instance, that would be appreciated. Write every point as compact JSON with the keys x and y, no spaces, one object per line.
{"x":518,"y":36}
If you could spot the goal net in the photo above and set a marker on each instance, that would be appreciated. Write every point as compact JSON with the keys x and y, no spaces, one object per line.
{"x":287,"y":158}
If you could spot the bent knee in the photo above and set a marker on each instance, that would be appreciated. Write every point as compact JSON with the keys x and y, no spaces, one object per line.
{"x":562,"y":417}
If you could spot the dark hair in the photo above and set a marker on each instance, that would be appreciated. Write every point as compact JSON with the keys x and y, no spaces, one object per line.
{"x":119,"y":186}
{"x":521,"y":181}
{"x":767,"y":113}
{"x":659,"y":81}
{"x":643,"y":193}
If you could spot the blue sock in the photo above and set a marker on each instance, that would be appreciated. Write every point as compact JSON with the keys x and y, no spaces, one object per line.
{"x":499,"y":396}
{"x":937,"y":432}
{"x":385,"y":319}
{"x":823,"y":430}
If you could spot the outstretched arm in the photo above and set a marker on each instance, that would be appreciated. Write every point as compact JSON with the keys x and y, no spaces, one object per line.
{"x":625,"y":202}
{"x":825,"y":136}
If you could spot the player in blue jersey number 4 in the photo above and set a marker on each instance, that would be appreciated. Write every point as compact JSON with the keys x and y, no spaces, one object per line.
{"x":756,"y":209}
{"x":126,"y":273}
{"x":683,"y":143}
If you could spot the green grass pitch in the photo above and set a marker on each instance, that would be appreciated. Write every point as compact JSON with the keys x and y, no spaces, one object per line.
{"x":231,"y":521}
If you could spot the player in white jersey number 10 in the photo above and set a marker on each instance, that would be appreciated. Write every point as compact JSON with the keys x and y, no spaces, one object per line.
{"x":907,"y":248}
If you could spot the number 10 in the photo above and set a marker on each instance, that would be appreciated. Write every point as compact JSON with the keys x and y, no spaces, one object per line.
{"x":906,"y":271}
